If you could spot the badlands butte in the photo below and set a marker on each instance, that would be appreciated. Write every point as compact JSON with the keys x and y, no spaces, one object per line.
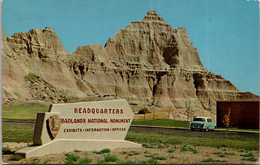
{"x":148,"y":63}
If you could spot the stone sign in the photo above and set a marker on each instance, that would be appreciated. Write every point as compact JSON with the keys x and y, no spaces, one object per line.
{"x":83,"y":126}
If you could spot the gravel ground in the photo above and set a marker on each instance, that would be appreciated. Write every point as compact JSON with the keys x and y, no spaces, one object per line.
{"x":228,"y":156}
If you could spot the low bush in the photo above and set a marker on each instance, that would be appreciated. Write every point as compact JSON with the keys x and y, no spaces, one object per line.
{"x":102,"y":151}
{"x":6,"y":150}
{"x":71,"y":159}
{"x":85,"y":161}
{"x":110,"y":158}
{"x":16,"y":157}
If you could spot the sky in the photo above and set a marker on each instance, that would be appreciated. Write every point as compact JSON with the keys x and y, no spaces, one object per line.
{"x":225,"y":32}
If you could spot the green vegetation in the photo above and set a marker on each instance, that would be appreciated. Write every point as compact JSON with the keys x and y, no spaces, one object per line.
{"x":252,"y":159}
{"x":102,"y":151}
{"x":160,"y":122}
{"x":77,"y":151}
{"x":152,"y":139}
{"x":238,"y":129}
{"x":25,"y":111}
{"x":107,"y":158}
{"x":71,"y":159}
{"x":110,"y":158}
{"x":132,"y":153}
{"x":85,"y":161}
{"x":171,"y":150}
{"x":250,"y":154}
{"x":149,"y":145}
{"x":17,"y":134}
{"x":32,"y":78}
{"x":16,"y":157}
{"x":212,"y":160}
{"x":6,"y":150}
{"x":188,"y":149}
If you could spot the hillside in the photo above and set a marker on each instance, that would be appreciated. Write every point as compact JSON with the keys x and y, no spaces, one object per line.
{"x":149,"y":63}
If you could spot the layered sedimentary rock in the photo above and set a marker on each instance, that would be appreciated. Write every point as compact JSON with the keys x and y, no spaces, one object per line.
{"x":148,"y":62}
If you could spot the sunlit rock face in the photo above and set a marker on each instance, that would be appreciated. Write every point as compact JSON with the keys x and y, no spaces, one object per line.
{"x":148,"y":63}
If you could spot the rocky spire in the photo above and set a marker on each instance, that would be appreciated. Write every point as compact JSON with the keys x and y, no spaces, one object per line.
{"x":152,"y":16}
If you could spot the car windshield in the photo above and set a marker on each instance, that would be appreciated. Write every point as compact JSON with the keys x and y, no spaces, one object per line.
{"x":199,"y":119}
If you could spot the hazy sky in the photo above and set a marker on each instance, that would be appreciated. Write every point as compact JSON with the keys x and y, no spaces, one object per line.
{"x":225,"y":32}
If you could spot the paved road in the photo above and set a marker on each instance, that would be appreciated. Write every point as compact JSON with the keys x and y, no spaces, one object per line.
{"x":246,"y":135}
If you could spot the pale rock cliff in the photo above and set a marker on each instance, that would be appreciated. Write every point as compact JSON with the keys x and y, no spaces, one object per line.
{"x":148,"y":63}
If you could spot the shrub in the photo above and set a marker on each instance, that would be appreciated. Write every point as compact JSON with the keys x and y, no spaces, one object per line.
{"x":102,"y":151}
{"x":85,"y":161}
{"x":250,"y":154}
{"x":6,"y":150}
{"x":252,"y":159}
{"x":16,"y":157}
{"x":143,"y":111}
{"x":133,"y":153}
{"x":188,"y":149}
{"x":71,"y":159}
{"x":110,"y":158}
{"x":171,"y":151}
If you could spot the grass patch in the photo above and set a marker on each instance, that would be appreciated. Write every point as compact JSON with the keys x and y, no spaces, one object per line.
{"x":17,"y":134}
{"x":160,"y":122}
{"x":212,"y":160}
{"x":132,"y":153}
{"x":85,"y":161}
{"x":239,"y":129}
{"x":251,"y":159}
{"x":248,"y":154}
{"x":71,"y":159}
{"x":110,"y":158}
{"x":152,"y":138}
{"x":77,"y":151}
{"x":16,"y":157}
{"x":188,"y":149}
{"x":171,"y":150}
{"x":102,"y":151}
{"x":6,"y":151}
{"x":26,"y":111}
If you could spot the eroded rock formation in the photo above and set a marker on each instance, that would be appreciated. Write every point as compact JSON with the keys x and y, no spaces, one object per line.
{"x":148,"y":63}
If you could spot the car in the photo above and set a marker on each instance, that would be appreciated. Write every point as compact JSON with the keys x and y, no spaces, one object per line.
{"x":203,"y":124}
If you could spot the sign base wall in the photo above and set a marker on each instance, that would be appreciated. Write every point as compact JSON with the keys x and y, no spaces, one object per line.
{"x":69,"y":145}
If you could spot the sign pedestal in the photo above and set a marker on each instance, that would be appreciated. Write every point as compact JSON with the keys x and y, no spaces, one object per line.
{"x":90,"y":126}
{"x":69,"y":145}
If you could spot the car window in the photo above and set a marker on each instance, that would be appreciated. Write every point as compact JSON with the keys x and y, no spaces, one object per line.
{"x":209,"y":120}
{"x":199,"y":119}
